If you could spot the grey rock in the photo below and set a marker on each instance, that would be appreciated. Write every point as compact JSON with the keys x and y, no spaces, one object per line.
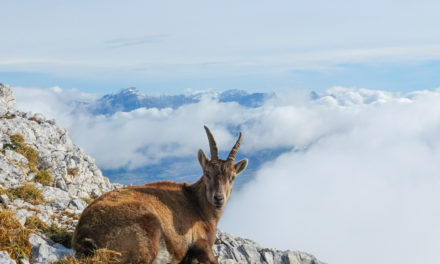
{"x":39,"y":118}
{"x":4,"y":139}
{"x":5,"y":258}
{"x":75,"y":175}
{"x":96,"y":192}
{"x":31,"y":176}
{"x":59,"y":198}
{"x":10,"y":173}
{"x":78,"y":204}
{"x":6,"y":95}
{"x":56,"y":153}
{"x":61,"y":183}
{"x":4,"y":199}
{"x":18,"y":203}
{"x":44,"y":161}
{"x":234,"y":250}
{"x":15,"y":157}
{"x":28,"y":115}
{"x":23,"y":261}
{"x":251,"y":253}
{"x":22,"y":214}
{"x":44,"y":252}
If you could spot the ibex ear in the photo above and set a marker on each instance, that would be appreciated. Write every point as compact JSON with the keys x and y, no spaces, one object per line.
{"x":202,"y":158}
{"x":240,"y":166}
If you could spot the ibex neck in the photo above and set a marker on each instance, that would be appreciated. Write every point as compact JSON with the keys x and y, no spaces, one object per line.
{"x":207,"y":210}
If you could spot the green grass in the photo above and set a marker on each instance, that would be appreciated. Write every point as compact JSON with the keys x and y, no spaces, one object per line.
{"x":87,"y":200}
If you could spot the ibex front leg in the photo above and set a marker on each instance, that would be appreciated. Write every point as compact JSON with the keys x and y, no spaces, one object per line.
{"x":200,"y":253}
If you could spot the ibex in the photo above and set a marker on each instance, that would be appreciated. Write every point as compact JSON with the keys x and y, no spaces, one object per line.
{"x":162,"y":222}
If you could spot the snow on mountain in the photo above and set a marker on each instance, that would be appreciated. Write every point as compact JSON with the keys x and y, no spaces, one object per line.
{"x":129,"y":99}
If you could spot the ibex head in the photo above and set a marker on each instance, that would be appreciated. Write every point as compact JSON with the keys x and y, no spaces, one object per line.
{"x":219,"y":175}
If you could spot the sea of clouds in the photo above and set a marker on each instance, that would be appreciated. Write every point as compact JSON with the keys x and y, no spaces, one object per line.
{"x":361,"y":183}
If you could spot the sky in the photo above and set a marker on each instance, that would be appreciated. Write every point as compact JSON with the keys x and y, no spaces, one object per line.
{"x":359,"y":177}
{"x":170,"y":46}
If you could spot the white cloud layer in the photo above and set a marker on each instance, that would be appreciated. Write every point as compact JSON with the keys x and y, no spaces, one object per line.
{"x":367,"y":192}
{"x":361,"y":184}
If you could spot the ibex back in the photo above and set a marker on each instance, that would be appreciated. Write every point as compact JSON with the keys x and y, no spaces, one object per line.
{"x":162,"y":222}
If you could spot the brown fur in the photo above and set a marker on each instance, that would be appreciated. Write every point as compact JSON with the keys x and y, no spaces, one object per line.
{"x":137,"y":220}
{"x":199,"y":252}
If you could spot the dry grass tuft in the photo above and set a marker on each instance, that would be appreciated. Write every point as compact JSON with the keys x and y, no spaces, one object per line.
{"x":17,"y":139}
{"x":73,"y":172}
{"x":17,"y":144}
{"x":43,"y":177}
{"x":27,"y":192}
{"x":13,"y":237}
{"x":31,"y":155}
{"x":101,"y":256}
{"x":34,"y":223}
{"x":69,"y":214}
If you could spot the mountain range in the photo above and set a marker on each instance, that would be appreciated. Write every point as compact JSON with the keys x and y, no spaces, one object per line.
{"x":129,"y":99}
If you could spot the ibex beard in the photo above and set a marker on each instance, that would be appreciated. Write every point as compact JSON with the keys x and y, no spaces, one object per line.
{"x":162,"y":222}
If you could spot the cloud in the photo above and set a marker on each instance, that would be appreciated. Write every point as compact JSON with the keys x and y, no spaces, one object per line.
{"x":147,"y":136}
{"x":366,"y":192}
{"x":54,"y":102}
{"x":138,"y":138}
{"x":126,"y":42}
{"x":360,"y":182}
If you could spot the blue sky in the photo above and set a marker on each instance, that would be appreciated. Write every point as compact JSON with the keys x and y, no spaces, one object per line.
{"x":168,"y":47}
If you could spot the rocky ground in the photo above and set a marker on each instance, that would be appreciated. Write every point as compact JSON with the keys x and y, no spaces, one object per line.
{"x":46,"y":182}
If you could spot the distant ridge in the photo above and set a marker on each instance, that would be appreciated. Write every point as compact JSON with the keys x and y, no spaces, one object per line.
{"x":129,"y":99}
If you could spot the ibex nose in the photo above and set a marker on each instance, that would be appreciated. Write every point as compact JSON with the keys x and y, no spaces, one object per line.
{"x":218,"y":199}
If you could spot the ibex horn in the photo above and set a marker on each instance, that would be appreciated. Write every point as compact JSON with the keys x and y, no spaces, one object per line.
{"x":234,"y":150}
{"x":212,"y":144}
